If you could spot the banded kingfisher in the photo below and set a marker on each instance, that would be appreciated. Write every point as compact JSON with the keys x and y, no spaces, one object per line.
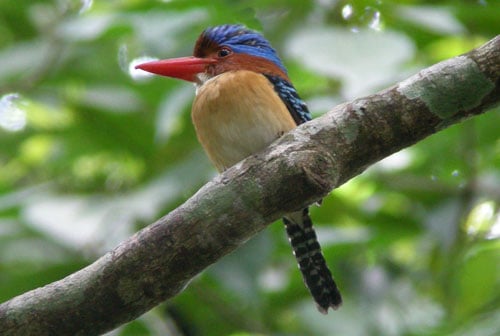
{"x":244,"y":101}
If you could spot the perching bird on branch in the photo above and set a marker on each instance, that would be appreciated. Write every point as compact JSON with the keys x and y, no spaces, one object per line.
{"x":244,"y":101}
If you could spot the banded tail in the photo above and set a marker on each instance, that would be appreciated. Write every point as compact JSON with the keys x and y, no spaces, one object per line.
{"x":312,"y":264}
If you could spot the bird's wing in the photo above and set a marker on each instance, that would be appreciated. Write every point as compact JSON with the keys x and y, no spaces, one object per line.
{"x":296,"y":106}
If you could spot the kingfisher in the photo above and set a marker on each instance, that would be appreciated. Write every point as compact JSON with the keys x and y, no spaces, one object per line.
{"x":244,"y":101}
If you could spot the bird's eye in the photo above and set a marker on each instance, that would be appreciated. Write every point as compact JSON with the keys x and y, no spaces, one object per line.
{"x":224,"y":52}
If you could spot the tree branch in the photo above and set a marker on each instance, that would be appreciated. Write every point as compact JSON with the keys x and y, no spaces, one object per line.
{"x":303,"y":166}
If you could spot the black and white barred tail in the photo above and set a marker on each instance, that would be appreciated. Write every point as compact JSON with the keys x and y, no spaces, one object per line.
{"x":312,"y":264}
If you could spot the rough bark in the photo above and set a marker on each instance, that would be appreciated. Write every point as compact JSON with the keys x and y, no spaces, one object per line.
{"x":303,"y":166}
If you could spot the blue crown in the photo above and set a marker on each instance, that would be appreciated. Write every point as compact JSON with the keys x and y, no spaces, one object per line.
{"x":243,"y":40}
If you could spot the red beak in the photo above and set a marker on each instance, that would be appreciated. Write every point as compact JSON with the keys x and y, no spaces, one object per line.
{"x":185,"y":68}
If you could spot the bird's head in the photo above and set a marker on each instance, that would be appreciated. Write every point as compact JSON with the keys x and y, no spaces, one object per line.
{"x":220,"y":49}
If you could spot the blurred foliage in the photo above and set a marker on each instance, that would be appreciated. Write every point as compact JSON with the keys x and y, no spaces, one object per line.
{"x":92,"y":150}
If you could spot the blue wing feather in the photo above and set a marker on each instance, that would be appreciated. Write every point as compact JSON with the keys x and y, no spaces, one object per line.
{"x":296,"y":106}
